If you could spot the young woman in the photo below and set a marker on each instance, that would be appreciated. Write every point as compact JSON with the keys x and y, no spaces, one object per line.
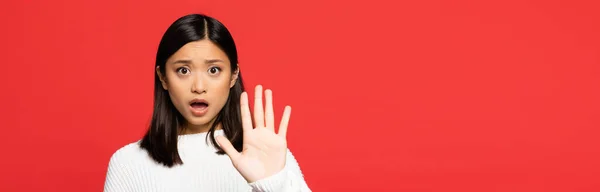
{"x":201,"y":113}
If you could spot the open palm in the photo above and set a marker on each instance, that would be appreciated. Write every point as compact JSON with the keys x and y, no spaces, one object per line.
{"x":264,"y":151}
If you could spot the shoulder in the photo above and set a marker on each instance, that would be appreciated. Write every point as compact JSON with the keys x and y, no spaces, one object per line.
{"x":124,"y":168}
{"x":290,"y":155}
{"x":129,"y":153}
{"x":291,"y":161}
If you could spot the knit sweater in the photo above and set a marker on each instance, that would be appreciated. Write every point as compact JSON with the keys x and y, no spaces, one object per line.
{"x":131,"y":169}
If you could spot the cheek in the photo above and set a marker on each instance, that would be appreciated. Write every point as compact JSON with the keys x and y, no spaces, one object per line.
{"x":177,"y":89}
{"x":221,"y":88}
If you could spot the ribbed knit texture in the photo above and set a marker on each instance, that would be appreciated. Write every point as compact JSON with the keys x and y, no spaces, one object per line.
{"x":131,"y":169}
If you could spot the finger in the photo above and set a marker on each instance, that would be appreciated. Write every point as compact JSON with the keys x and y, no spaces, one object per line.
{"x":228,"y":148}
{"x":259,"y":117}
{"x":285,"y":121}
{"x":269,"y":115}
{"x":245,"y":110}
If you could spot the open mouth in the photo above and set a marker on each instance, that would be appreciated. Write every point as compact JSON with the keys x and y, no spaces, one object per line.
{"x":199,"y":104}
{"x":199,"y":107}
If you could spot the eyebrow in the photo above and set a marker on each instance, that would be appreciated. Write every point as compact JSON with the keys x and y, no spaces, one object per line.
{"x":182,"y":62}
{"x":211,"y":61}
{"x":208,"y":61}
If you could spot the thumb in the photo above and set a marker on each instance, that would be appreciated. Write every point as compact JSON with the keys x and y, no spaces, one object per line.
{"x":228,"y":148}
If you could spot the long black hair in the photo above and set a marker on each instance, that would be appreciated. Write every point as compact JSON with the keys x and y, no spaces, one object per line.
{"x":161,"y":138}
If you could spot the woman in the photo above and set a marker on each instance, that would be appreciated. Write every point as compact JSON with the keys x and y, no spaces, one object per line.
{"x":201,"y":112}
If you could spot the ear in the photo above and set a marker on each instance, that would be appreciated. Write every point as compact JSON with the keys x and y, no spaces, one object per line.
{"x":234,"y":77}
{"x":162,"y":78}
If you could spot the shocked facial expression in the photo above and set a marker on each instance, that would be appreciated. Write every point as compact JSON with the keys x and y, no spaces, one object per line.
{"x":198,"y":78}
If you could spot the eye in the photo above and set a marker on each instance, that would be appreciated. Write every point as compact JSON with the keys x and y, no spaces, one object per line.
{"x":183,"y":71}
{"x":214,"y":70}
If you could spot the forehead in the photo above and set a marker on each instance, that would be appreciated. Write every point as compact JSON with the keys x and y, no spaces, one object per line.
{"x":199,"y":51}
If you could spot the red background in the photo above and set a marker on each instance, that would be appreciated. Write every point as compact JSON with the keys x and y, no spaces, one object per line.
{"x":434,"y":95}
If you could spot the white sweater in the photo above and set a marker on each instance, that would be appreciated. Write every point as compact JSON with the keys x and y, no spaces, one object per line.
{"x":131,"y":169}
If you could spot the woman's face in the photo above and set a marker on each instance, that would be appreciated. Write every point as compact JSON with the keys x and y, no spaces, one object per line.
{"x":198,"y":78}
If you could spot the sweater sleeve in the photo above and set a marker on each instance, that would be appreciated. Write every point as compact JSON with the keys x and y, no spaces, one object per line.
{"x":289,"y":179}
{"x":118,"y":176}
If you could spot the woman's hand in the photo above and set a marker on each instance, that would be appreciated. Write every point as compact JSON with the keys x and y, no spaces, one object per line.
{"x":264,"y":151}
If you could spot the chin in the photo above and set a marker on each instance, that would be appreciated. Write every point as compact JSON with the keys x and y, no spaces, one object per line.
{"x":198,"y":121}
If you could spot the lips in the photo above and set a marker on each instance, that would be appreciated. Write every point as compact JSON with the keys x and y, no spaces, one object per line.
{"x":198,"y":107}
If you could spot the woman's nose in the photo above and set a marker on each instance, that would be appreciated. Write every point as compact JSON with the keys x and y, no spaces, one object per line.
{"x":198,"y":85}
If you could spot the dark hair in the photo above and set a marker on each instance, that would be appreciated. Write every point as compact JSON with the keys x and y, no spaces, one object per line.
{"x":161,"y":138}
